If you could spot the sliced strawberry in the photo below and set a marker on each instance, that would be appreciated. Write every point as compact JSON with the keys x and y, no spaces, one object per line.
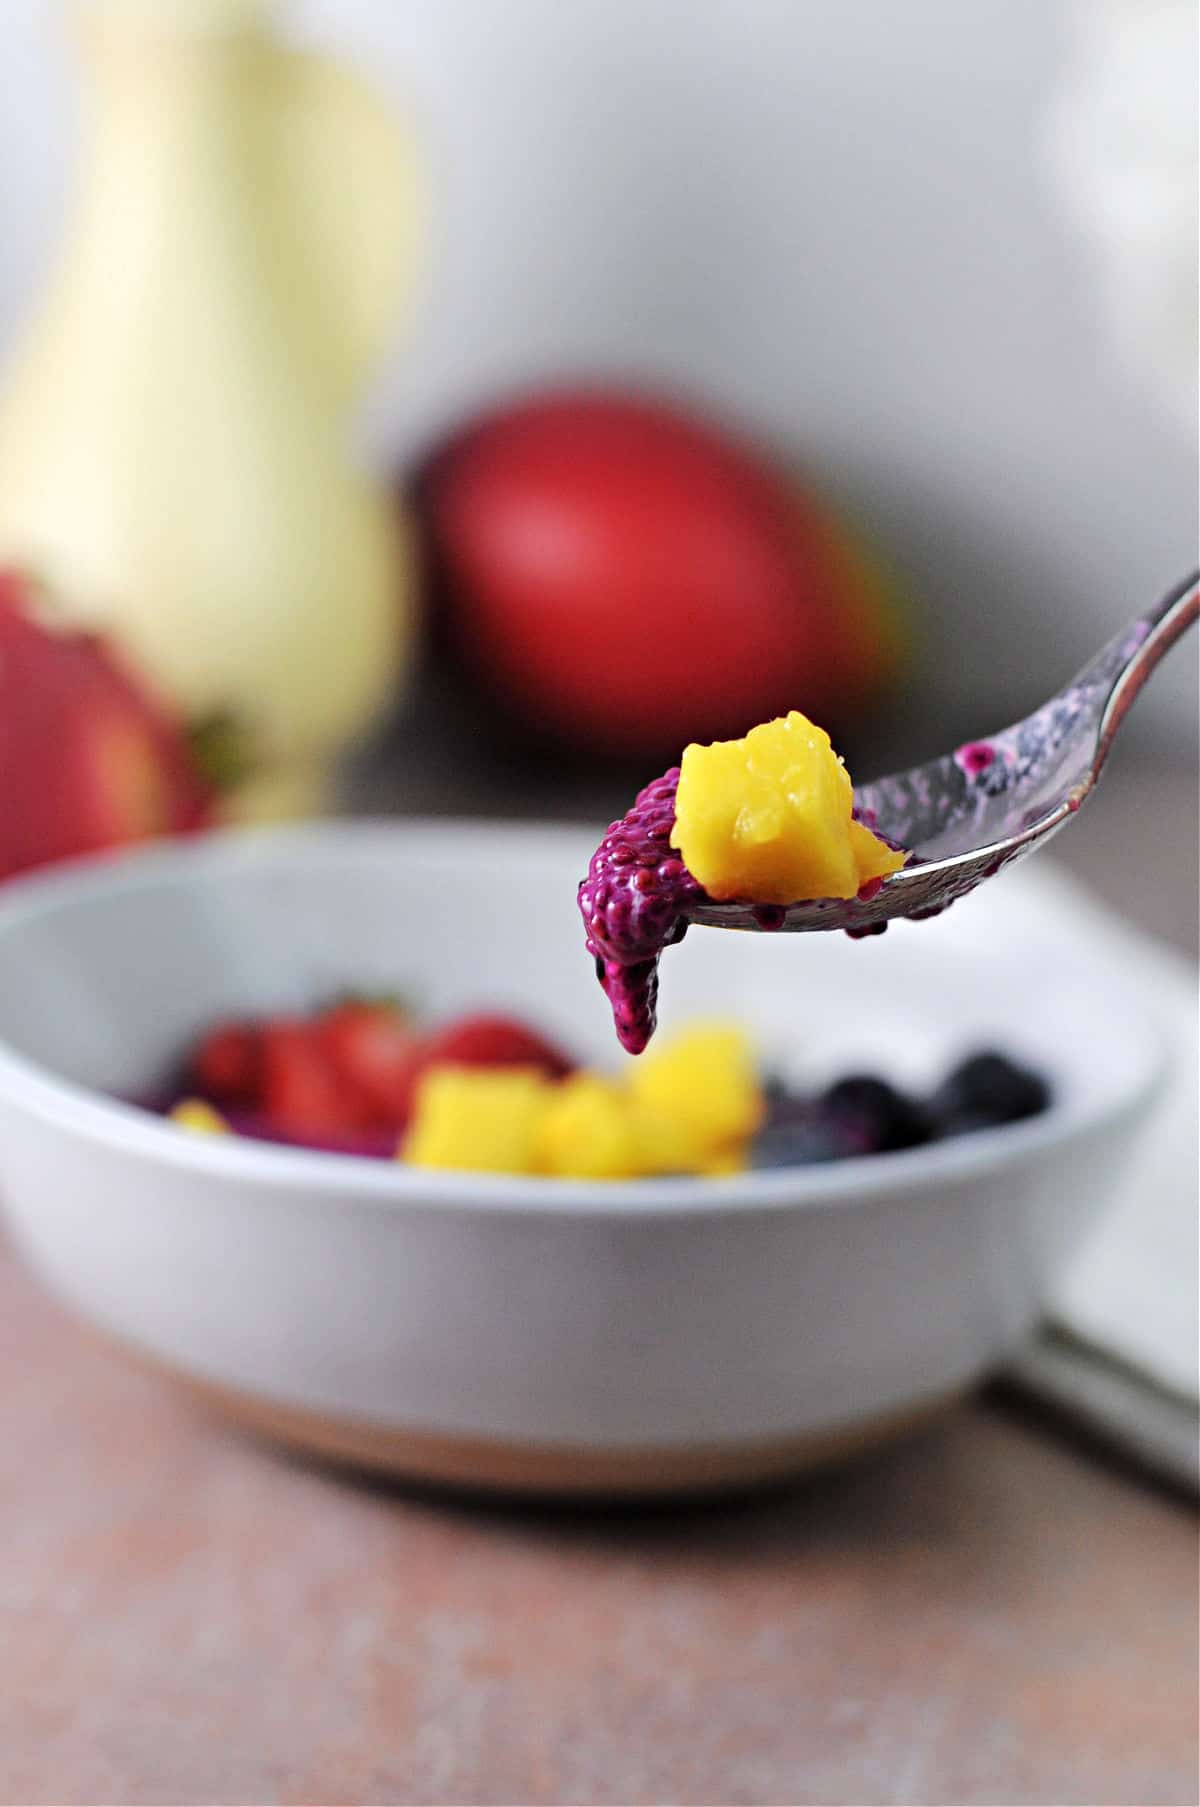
{"x":304,"y":1094}
{"x":494,"y":1041}
{"x":378,"y":1144}
{"x":227,"y":1065}
{"x":375,"y":1051}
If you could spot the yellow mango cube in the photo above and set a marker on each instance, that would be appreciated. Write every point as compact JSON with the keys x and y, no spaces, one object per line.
{"x":768,"y":818}
{"x":588,"y":1131}
{"x":199,"y":1118}
{"x":478,"y":1119}
{"x":666,"y":1142}
{"x":734,"y":1159}
{"x":697,"y":1093}
{"x":670,"y":1145}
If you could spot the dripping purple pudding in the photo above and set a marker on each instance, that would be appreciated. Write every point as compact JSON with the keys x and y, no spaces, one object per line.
{"x":635,"y":902}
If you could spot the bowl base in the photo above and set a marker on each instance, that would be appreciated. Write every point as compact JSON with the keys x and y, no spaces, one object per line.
{"x":563,"y":1471}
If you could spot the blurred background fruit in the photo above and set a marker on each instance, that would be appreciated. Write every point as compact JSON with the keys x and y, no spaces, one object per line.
{"x":627,"y":576}
{"x":89,"y":759}
{"x":773,"y":364}
{"x":173,"y":456}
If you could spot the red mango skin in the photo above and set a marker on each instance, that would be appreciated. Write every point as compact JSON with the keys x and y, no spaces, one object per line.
{"x":88,"y":758}
{"x":626,"y":577}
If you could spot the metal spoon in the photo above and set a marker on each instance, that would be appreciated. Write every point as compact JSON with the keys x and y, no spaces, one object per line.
{"x":964,"y":816}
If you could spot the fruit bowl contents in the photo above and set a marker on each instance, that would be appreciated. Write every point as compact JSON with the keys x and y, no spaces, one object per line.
{"x":767,"y":820}
{"x":346,"y":1077}
{"x":488,"y":1093}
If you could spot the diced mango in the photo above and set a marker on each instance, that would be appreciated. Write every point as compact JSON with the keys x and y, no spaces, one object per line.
{"x":732,"y":1159}
{"x":873,"y":857}
{"x":701,"y":1089}
{"x":200,"y":1118}
{"x":689,"y":1107}
{"x":478,"y":1119}
{"x":588,"y":1131}
{"x":666,"y":1142}
{"x":768,"y":818}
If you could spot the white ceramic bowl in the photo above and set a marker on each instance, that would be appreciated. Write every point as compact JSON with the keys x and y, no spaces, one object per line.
{"x":538,"y":1334}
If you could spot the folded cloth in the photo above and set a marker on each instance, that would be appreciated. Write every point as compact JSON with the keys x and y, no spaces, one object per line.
{"x":1121,"y":1347}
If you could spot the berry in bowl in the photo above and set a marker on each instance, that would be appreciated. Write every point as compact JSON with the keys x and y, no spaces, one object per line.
{"x":915,"y":1133}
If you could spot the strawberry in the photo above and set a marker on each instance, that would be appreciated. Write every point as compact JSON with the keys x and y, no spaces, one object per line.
{"x":227,"y":1065}
{"x":493,"y":1041}
{"x":372,"y":1047}
{"x":304,"y":1094}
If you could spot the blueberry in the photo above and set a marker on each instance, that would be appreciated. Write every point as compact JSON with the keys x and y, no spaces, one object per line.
{"x":987,"y":1089}
{"x":802,"y":1139}
{"x":779,"y":1100}
{"x":882,"y":1116}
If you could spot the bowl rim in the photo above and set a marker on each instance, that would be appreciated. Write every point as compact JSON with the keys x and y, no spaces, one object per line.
{"x":35,"y":1088}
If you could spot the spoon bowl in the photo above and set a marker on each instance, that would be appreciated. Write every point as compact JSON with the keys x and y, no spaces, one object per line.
{"x":966,"y":815}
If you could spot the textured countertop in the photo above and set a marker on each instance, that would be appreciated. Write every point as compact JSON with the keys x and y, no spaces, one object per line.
{"x":983,"y":1614}
{"x":989,"y":1613}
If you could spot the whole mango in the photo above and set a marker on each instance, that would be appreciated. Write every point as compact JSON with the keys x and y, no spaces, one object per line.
{"x":624,"y":576}
{"x":89,"y":759}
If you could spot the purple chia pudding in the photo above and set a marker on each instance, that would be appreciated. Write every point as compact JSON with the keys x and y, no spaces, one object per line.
{"x":635,"y":902}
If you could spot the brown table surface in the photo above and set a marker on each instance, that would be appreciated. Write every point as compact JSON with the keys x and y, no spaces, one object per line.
{"x":982,"y":1614}
{"x":988,"y":1613}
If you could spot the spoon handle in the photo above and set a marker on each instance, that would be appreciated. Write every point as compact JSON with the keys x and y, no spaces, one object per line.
{"x":1142,"y":645}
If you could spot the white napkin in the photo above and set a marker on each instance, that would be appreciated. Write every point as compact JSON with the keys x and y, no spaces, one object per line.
{"x":1121,"y":1350}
